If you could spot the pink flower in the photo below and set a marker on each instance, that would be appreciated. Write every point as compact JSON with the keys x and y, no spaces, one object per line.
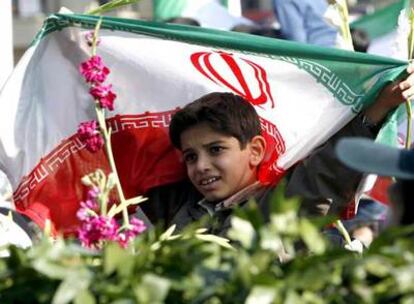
{"x":136,"y":227}
{"x":97,"y":229}
{"x":94,"y":70}
{"x":89,"y":134}
{"x":90,"y":204}
{"x":82,"y":214}
{"x":93,"y":193}
{"x":89,"y":38}
{"x":104,"y":95}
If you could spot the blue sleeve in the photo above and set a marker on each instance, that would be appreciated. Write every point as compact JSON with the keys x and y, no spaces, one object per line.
{"x":303,"y":21}
{"x":291,"y":19}
{"x":318,"y":31}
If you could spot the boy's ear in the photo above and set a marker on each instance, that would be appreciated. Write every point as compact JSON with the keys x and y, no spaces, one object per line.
{"x":257,"y":150}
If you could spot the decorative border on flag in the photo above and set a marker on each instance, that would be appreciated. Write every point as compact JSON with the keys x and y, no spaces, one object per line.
{"x":50,"y":163}
{"x":330,"y":80}
{"x":272,"y":130}
{"x":72,"y":145}
{"x":47,"y":165}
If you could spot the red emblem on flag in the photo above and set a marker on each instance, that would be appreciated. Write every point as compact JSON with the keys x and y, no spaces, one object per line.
{"x":260,"y":94}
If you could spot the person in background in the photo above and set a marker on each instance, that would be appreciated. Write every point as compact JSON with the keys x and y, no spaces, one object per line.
{"x":371,"y":216}
{"x":183,"y":20}
{"x":360,"y":40}
{"x":303,"y":21}
{"x":357,"y":153}
{"x":264,"y":31}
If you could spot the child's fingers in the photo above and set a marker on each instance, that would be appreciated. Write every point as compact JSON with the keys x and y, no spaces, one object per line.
{"x":408,"y":93}
{"x":408,"y":82}
{"x":410,"y":68}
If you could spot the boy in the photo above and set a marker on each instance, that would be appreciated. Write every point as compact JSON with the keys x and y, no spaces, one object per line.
{"x":219,"y":137}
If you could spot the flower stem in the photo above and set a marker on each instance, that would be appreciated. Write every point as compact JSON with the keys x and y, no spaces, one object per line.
{"x":345,"y":30}
{"x":409,"y":119}
{"x":95,"y":36}
{"x":100,"y":113}
{"x":408,"y":101}
{"x":114,"y":4}
{"x":341,"y":228}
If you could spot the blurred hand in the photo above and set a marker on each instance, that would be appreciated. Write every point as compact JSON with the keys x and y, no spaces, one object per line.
{"x":355,"y":246}
{"x":392,"y":96}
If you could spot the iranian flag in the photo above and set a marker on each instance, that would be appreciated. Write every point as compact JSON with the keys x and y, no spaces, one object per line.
{"x":302,"y":93}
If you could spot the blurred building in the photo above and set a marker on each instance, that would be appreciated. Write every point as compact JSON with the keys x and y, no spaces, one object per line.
{"x":28,"y":16}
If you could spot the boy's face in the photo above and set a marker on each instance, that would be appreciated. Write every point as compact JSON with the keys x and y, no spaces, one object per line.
{"x":216,"y":165}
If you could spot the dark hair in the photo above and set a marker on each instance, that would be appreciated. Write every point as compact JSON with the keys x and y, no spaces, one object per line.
{"x":264,"y":31}
{"x":402,"y":194}
{"x":360,"y":40}
{"x":183,"y":20}
{"x":225,"y":113}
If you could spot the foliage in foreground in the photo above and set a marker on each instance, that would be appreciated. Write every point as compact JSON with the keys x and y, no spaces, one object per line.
{"x":198,"y":268}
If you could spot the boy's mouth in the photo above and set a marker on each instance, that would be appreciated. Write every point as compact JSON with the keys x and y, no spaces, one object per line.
{"x":208,"y":181}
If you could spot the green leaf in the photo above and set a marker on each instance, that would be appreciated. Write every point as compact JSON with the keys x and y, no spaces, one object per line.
{"x":152,"y":289}
{"x":71,"y":286}
{"x":85,"y":297}
{"x":114,"y":257}
{"x":281,"y":204}
{"x":269,"y":240}
{"x":409,"y":299}
{"x":214,"y":239}
{"x":311,"y":236}
{"x":111,"y":6}
{"x":136,"y":200}
{"x":404,"y":277}
{"x":262,"y":295}
{"x":168,"y":233}
{"x":125,"y":204}
{"x":242,"y":231}
{"x":52,"y":269}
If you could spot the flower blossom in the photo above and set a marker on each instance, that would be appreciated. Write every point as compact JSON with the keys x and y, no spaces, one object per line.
{"x":104,"y":95}
{"x":94,"y":70}
{"x":96,"y":229}
{"x":89,"y":38}
{"x":90,"y":204}
{"x":136,"y":227}
{"x":89,"y":134}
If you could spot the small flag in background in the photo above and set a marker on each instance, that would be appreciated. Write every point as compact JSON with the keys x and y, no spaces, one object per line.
{"x":382,"y":28}
{"x":216,"y":14}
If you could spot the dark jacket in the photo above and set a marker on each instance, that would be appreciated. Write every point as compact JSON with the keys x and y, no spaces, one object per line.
{"x":325,"y":185}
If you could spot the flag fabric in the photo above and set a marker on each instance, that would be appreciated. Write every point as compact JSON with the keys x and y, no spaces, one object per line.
{"x":381,"y":27}
{"x":303,"y":94}
{"x":388,"y":30}
{"x":209,"y":13}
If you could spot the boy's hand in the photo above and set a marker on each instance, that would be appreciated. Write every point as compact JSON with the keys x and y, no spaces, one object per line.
{"x":391,"y":96}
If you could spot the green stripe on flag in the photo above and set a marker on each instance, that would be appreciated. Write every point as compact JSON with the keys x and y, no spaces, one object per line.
{"x":382,"y":21}
{"x":326,"y":65}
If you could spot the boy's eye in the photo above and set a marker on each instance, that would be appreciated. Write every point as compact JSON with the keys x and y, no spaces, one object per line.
{"x":190,"y":157}
{"x":215,"y":149}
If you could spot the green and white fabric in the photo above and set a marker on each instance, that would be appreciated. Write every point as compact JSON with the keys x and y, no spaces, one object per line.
{"x":382,"y":28}
{"x":302,"y":93}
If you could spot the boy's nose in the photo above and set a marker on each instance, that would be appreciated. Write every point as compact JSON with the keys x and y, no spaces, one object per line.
{"x":203,"y":163}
